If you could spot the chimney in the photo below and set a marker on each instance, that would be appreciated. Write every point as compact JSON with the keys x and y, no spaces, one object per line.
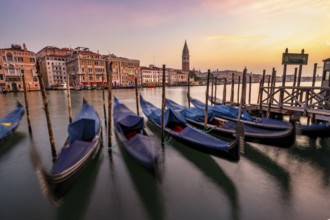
{"x":24,"y":47}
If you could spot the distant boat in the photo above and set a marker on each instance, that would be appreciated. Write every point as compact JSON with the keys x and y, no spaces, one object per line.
{"x":195,"y":116}
{"x":151,"y":86}
{"x":81,"y":146}
{"x":61,"y":86}
{"x":177,"y":127}
{"x":4,"y":91}
{"x":88,"y":87}
{"x":136,"y":139}
{"x":10,"y":122}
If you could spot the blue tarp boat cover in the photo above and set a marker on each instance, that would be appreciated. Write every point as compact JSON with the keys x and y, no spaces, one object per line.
{"x":71,"y":155}
{"x":155,"y":114}
{"x":222,"y":110}
{"x":232,"y":112}
{"x":85,"y":126}
{"x":125,"y":119}
{"x":81,"y":131}
{"x":141,"y":145}
{"x":194,"y":114}
{"x":190,"y":134}
{"x":10,"y":121}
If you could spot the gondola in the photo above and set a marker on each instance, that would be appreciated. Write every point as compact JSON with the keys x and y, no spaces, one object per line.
{"x":195,"y":116}
{"x":10,"y":122}
{"x":217,"y":101}
{"x":135,"y":138}
{"x":315,"y":130}
{"x":81,"y":147}
{"x":176,"y":126}
{"x":231,"y":113}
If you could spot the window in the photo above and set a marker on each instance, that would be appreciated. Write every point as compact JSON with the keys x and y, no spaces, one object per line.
{"x":10,"y":57}
{"x":1,"y":76}
{"x":327,"y":75}
{"x":32,"y":60}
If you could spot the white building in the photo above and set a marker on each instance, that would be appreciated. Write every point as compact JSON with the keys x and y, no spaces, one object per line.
{"x":53,"y":65}
{"x":153,"y":76}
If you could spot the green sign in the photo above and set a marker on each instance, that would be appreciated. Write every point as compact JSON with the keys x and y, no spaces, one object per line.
{"x":294,"y":59}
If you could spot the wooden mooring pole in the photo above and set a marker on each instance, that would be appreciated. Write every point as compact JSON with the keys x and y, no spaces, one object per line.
{"x":238,"y":87}
{"x":294,"y":85}
{"x":103,"y":100}
{"x":45,"y":100}
{"x":299,"y":77}
{"x":312,"y":119}
{"x":314,"y":74}
{"x":270,"y":94}
{"x":69,"y":96}
{"x":239,"y":127}
{"x":250,"y":87}
{"x":207,"y":99}
{"x":261,"y":88}
{"x":110,"y":105}
{"x":215,"y":89}
{"x":163,"y":104}
{"x":232,"y":89}
{"x":224,"y":91}
{"x":212,"y":85}
{"x":283,"y":83}
{"x":188,"y":93}
{"x":137,"y":96}
{"x":26,"y":106}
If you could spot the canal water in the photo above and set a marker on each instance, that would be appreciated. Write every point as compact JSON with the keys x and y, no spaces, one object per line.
{"x":267,"y":182}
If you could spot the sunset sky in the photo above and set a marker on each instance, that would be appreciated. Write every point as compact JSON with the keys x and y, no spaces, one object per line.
{"x":221,"y":34}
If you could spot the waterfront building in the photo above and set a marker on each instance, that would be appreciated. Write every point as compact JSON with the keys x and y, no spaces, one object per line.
{"x":153,"y":76}
{"x":85,"y":67}
{"x":18,"y":61}
{"x":53,"y":66}
{"x":177,"y":77}
{"x":185,"y":58}
{"x":2,"y":75}
{"x":124,"y":70}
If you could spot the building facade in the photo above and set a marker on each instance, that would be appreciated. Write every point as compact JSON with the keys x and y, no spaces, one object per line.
{"x":177,"y":77}
{"x":52,"y":62}
{"x":17,"y":62}
{"x":185,"y":58}
{"x":85,"y":67}
{"x":2,"y":75}
{"x":123,"y":71}
{"x":153,"y":76}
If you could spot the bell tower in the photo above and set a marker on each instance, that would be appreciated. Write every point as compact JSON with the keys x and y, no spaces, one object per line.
{"x":185,"y":57}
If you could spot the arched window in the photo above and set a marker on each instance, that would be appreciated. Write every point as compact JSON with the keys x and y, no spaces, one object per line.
{"x":11,"y":69}
{"x":9,"y":57}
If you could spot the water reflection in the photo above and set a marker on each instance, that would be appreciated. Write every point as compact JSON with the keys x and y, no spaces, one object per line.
{"x":83,"y":181}
{"x":318,"y":155}
{"x":146,"y":185}
{"x":214,"y":172}
{"x":11,"y":142}
{"x":281,"y":175}
{"x":77,"y":199}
